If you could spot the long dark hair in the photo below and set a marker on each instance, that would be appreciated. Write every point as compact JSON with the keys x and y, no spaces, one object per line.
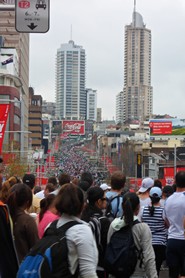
{"x":154,"y":200}
{"x":19,"y":195}
{"x":94,"y":193}
{"x":45,"y":204}
{"x":130,"y":204}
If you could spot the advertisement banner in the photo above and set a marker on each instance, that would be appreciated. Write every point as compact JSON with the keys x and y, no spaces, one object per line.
{"x":73,"y":127}
{"x":4,"y":110}
{"x":172,"y":126}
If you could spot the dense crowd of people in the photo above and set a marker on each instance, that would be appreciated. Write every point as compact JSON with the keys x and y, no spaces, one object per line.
{"x":98,"y":214}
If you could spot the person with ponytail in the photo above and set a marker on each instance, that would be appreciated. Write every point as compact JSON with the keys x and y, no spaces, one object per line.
{"x":141,"y":234}
{"x":153,"y":215}
{"x":48,"y":213}
{"x":24,"y":226}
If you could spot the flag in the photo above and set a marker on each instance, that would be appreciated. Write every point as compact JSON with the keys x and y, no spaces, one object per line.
{"x":7,"y":61}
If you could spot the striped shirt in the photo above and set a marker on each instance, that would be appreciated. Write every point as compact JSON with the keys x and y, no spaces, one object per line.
{"x":156,"y":224}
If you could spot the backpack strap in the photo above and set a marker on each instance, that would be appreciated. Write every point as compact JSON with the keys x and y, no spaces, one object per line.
{"x":118,"y":203}
{"x":53,"y":230}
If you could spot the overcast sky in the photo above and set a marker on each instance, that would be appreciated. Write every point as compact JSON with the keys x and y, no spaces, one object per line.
{"x":98,"y":26}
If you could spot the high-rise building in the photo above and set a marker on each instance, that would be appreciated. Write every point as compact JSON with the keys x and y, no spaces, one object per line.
{"x":35,"y":119}
{"x":120,"y":116}
{"x":138,"y":92}
{"x":99,"y":115}
{"x":91,"y":104}
{"x":19,"y":41}
{"x":70,"y":82}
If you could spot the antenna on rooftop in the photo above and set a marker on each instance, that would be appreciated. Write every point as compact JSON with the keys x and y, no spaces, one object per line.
{"x":71,"y":33}
{"x":134,"y":13}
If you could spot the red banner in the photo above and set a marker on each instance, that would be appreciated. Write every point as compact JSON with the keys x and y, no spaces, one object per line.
{"x":4,"y":110}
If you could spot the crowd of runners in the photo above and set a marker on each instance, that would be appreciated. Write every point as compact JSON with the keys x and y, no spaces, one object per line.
{"x":98,"y":212}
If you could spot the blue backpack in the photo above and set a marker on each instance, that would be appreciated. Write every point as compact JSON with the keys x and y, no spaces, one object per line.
{"x":49,"y":257}
{"x":121,"y":254}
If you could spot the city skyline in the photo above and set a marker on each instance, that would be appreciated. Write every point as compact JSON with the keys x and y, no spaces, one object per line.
{"x":99,"y":27}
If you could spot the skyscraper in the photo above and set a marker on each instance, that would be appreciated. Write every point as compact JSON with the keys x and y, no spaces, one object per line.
{"x":91,"y":104}
{"x":138,"y":92}
{"x":70,"y":82}
{"x":120,"y":116}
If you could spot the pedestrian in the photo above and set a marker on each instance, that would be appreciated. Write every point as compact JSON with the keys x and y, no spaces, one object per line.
{"x":153,"y":215}
{"x":93,"y":214}
{"x":8,"y":254}
{"x":114,"y":195}
{"x":29,"y":180}
{"x":146,"y":185}
{"x":82,"y":250}
{"x":48,"y":213}
{"x":175,"y":214}
{"x":141,"y":233}
{"x":24,"y":226}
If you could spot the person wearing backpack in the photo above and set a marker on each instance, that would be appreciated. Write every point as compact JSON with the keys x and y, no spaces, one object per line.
{"x":114,"y":196}
{"x":93,"y":214}
{"x":68,"y":248}
{"x":134,"y":241}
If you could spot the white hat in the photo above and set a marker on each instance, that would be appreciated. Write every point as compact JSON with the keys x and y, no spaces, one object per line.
{"x":146,"y":184}
{"x":155,"y":192}
{"x":104,"y":186}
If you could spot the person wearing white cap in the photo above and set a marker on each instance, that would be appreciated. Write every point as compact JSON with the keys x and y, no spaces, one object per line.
{"x":105,"y":187}
{"x":153,"y":215}
{"x":144,"y":190}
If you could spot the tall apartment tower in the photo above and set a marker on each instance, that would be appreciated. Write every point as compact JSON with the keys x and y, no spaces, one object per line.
{"x":91,"y":104}
{"x":70,"y":82}
{"x":120,"y":116}
{"x":138,"y":92}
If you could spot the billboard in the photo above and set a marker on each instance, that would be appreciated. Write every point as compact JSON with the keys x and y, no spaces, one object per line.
{"x":73,"y":127}
{"x":172,"y":126}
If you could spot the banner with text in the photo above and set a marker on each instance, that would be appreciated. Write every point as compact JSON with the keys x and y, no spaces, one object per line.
{"x":4,"y":110}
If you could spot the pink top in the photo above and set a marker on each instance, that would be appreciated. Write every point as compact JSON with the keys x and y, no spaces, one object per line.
{"x":47,"y":218}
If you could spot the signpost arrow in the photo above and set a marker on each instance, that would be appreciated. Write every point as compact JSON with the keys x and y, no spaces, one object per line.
{"x":32,"y":16}
{"x":32,"y":26}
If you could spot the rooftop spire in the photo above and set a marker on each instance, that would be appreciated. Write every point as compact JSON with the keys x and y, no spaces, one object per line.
{"x":134,"y":13}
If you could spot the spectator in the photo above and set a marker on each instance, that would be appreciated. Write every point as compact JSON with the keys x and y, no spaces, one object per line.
{"x":5,"y":188}
{"x":87,"y":176}
{"x":63,"y":179}
{"x":146,"y":185}
{"x":82,"y":249}
{"x":115,"y":194}
{"x":48,"y":213}
{"x":8,"y":255}
{"x":158,"y":183}
{"x":36,"y":189}
{"x":50,"y":188}
{"x":24,"y":226}
{"x":166,"y":192}
{"x":105,"y":187}
{"x":93,"y":214}
{"x":154,"y":216}
{"x":29,"y":179}
{"x":141,"y":233}
{"x":175,"y":213}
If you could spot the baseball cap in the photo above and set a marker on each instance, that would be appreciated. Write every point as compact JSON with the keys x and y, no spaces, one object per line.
{"x":105,"y":186}
{"x":155,"y":192}
{"x":146,"y":184}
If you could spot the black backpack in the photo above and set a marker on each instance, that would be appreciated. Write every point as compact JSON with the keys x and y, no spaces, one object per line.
{"x":110,"y":214}
{"x":121,"y":255}
{"x":49,"y":257}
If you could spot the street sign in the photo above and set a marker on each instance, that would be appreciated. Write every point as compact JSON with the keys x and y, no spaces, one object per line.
{"x":32,"y":16}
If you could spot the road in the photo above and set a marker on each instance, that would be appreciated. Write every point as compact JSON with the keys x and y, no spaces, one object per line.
{"x":163,"y":274}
